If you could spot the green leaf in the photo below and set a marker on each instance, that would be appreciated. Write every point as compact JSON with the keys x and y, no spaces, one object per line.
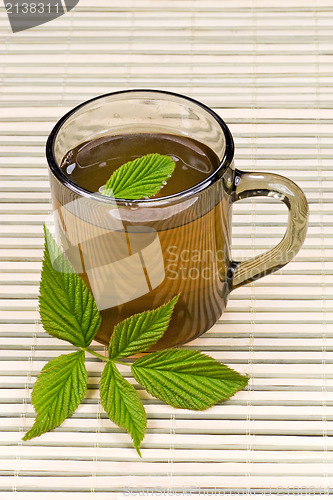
{"x":187,"y":379}
{"x":140,"y":178}
{"x":57,"y":392}
{"x":67,"y":308}
{"x":122,"y":404}
{"x":140,"y":331}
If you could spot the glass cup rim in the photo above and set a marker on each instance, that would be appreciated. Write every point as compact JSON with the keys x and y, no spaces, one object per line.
{"x":197,"y":188}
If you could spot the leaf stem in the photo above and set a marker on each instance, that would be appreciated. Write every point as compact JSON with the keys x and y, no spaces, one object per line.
{"x":122,"y":363}
{"x":104,"y":358}
{"x":94,"y":353}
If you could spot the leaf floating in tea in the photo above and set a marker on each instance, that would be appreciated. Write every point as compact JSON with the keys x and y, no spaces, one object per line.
{"x":140,"y":178}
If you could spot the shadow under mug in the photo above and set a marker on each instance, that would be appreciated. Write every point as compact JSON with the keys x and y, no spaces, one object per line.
{"x":138,"y":254}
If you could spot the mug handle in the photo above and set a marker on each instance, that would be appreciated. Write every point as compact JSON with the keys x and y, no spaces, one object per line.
{"x":248,"y":184}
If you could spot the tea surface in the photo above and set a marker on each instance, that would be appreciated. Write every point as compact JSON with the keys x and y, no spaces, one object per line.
{"x":91,"y":163}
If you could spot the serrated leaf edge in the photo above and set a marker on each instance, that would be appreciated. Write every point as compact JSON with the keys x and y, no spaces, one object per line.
{"x":105,"y":378}
{"x":143,"y":345}
{"x":117,"y":184}
{"x":241,"y":382}
{"x":33,"y":431}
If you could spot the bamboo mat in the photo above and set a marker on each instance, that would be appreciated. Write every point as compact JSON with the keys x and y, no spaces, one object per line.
{"x":266,"y":68}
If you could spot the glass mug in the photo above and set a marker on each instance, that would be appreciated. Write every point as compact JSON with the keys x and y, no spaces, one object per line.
{"x":138,"y":254}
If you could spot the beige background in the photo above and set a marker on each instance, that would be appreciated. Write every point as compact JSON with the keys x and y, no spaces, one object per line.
{"x":266,"y":68}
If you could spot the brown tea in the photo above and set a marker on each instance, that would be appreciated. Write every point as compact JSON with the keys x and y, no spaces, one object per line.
{"x":183,"y":248}
{"x":91,"y":163}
